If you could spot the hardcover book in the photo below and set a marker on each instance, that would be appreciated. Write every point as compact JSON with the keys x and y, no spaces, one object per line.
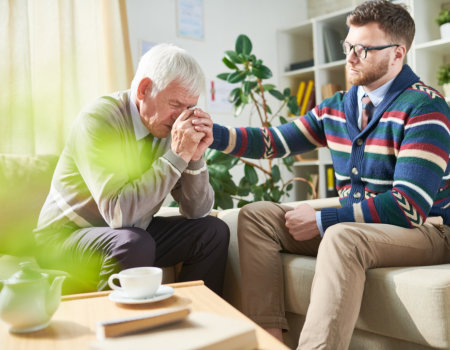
{"x":200,"y":330}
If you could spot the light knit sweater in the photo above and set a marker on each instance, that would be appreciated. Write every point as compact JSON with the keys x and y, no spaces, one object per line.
{"x":395,"y":171}
{"x":106,"y":177}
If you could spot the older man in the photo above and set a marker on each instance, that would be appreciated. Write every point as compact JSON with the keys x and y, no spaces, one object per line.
{"x":125,"y":154}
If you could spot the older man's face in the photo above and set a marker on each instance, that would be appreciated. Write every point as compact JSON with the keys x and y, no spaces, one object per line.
{"x":159,"y":112}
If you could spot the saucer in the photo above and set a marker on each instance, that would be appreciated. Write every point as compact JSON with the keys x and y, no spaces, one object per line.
{"x":162,"y":293}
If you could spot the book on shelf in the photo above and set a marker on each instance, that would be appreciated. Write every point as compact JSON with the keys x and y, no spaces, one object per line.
{"x":306,"y":97}
{"x":329,"y":90}
{"x":301,"y":64}
{"x":332,"y":42}
{"x":312,"y":100}
{"x":300,"y":92}
{"x":331,"y":181}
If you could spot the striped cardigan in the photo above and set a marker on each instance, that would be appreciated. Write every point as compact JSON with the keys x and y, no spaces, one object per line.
{"x":395,"y":171}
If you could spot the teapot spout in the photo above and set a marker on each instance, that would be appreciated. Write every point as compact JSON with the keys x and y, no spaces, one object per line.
{"x":54,"y":295}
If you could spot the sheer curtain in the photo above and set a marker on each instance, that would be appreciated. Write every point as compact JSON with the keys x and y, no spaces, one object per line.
{"x":55,"y":57}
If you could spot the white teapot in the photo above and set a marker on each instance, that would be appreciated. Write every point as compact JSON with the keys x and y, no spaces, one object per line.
{"x":27,"y":300}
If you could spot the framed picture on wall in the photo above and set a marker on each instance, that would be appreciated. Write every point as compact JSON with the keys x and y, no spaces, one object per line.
{"x":190,"y":19}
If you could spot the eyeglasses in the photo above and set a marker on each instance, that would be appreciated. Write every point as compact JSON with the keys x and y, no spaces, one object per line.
{"x":360,"y":51}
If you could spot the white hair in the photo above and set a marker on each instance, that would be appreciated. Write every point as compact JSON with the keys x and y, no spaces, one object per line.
{"x":164,"y":63}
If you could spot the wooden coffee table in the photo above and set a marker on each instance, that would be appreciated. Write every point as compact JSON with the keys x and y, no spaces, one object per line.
{"x":73,"y":326}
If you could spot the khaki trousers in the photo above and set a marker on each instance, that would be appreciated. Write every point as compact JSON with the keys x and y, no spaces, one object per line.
{"x":344,"y":254}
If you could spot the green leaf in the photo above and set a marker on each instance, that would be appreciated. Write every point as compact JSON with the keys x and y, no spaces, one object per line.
{"x":250,"y":174}
{"x":229,"y":64}
{"x":288,"y":161}
{"x":243,"y":45}
{"x":253,"y":84}
{"x":287,"y":92}
{"x":244,"y":187}
{"x":213,"y":157}
{"x":234,"y":95}
{"x":236,"y":77}
{"x":230,"y":187}
{"x":276,"y":175}
{"x":269,"y":110}
{"x":262,"y":72}
{"x":278,"y":95}
{"x":223,"y":76}
{"x":293,"y":106}
{"x":283,"y":120}
{"x":275,"y":195}
{"x":234,"y":57}
{"x":224,"y":201}
{"x":268,"y":87}
{"x":289,"y":187}
{"x":216,"y":184}
{"x":257,"y":192}
{"x":244,"y":97}
{"x":238,"y":108}
{"x":248,"y":86}
{"x":219,"y":171}
{"x":242,"y":202}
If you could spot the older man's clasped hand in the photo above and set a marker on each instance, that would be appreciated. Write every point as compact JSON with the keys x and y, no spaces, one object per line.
{"x":192,"y":134}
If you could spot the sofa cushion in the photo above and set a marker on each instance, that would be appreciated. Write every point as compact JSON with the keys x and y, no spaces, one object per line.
{"x":25,"y":182}
{"x":410,"y":303}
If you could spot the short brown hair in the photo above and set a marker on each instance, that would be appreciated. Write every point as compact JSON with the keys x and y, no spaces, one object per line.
{"x":393,"y":19}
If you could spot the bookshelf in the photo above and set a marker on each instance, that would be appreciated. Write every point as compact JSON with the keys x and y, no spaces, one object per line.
{"x":312,"y":41}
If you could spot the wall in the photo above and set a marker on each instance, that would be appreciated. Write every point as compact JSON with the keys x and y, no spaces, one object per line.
{"x":322,"y":7}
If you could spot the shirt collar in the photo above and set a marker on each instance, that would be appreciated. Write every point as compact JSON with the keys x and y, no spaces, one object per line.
{"x":139,"y":128}
{"x":377,"y":95}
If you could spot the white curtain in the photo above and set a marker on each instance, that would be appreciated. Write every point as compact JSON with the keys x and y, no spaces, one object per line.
{"x":55,"y":57}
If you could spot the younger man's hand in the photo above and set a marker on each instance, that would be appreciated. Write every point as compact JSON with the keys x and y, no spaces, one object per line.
{"x":202,"y":123}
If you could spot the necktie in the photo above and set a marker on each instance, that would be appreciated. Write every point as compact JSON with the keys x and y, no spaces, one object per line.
{"x":366,"y":113}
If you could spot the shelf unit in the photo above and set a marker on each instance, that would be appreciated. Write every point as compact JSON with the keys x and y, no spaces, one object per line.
{"x":308,"y":40}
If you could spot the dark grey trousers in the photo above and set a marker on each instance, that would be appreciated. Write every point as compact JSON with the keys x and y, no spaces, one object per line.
{"x":92,"y":254}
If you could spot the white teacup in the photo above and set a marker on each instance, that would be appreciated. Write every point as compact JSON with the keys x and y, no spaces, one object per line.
{"x":137,"y":282}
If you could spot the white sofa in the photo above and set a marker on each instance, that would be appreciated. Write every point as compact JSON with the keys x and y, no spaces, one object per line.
{"x":402,"y":308}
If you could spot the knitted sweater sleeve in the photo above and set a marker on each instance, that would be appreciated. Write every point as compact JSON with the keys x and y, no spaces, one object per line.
{"x":418,"y":177}
{"x":299,"y":136}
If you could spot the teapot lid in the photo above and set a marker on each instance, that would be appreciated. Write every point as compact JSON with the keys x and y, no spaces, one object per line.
{"x":28,"y":272}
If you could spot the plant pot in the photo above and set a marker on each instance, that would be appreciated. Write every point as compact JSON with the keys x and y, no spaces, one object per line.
{"x":447,"y":90}
{"x":445,"y":31}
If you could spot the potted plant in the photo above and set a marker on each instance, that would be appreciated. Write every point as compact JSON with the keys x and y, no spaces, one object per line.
{"x":444,"y":23}
{"x":443,"y":77}
{"x":262,"y":180}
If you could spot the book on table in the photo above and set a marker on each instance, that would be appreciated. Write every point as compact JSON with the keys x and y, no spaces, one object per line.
{"x":200,"y":330}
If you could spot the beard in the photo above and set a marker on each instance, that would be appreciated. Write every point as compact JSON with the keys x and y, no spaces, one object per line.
{"x":369,"y":75}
